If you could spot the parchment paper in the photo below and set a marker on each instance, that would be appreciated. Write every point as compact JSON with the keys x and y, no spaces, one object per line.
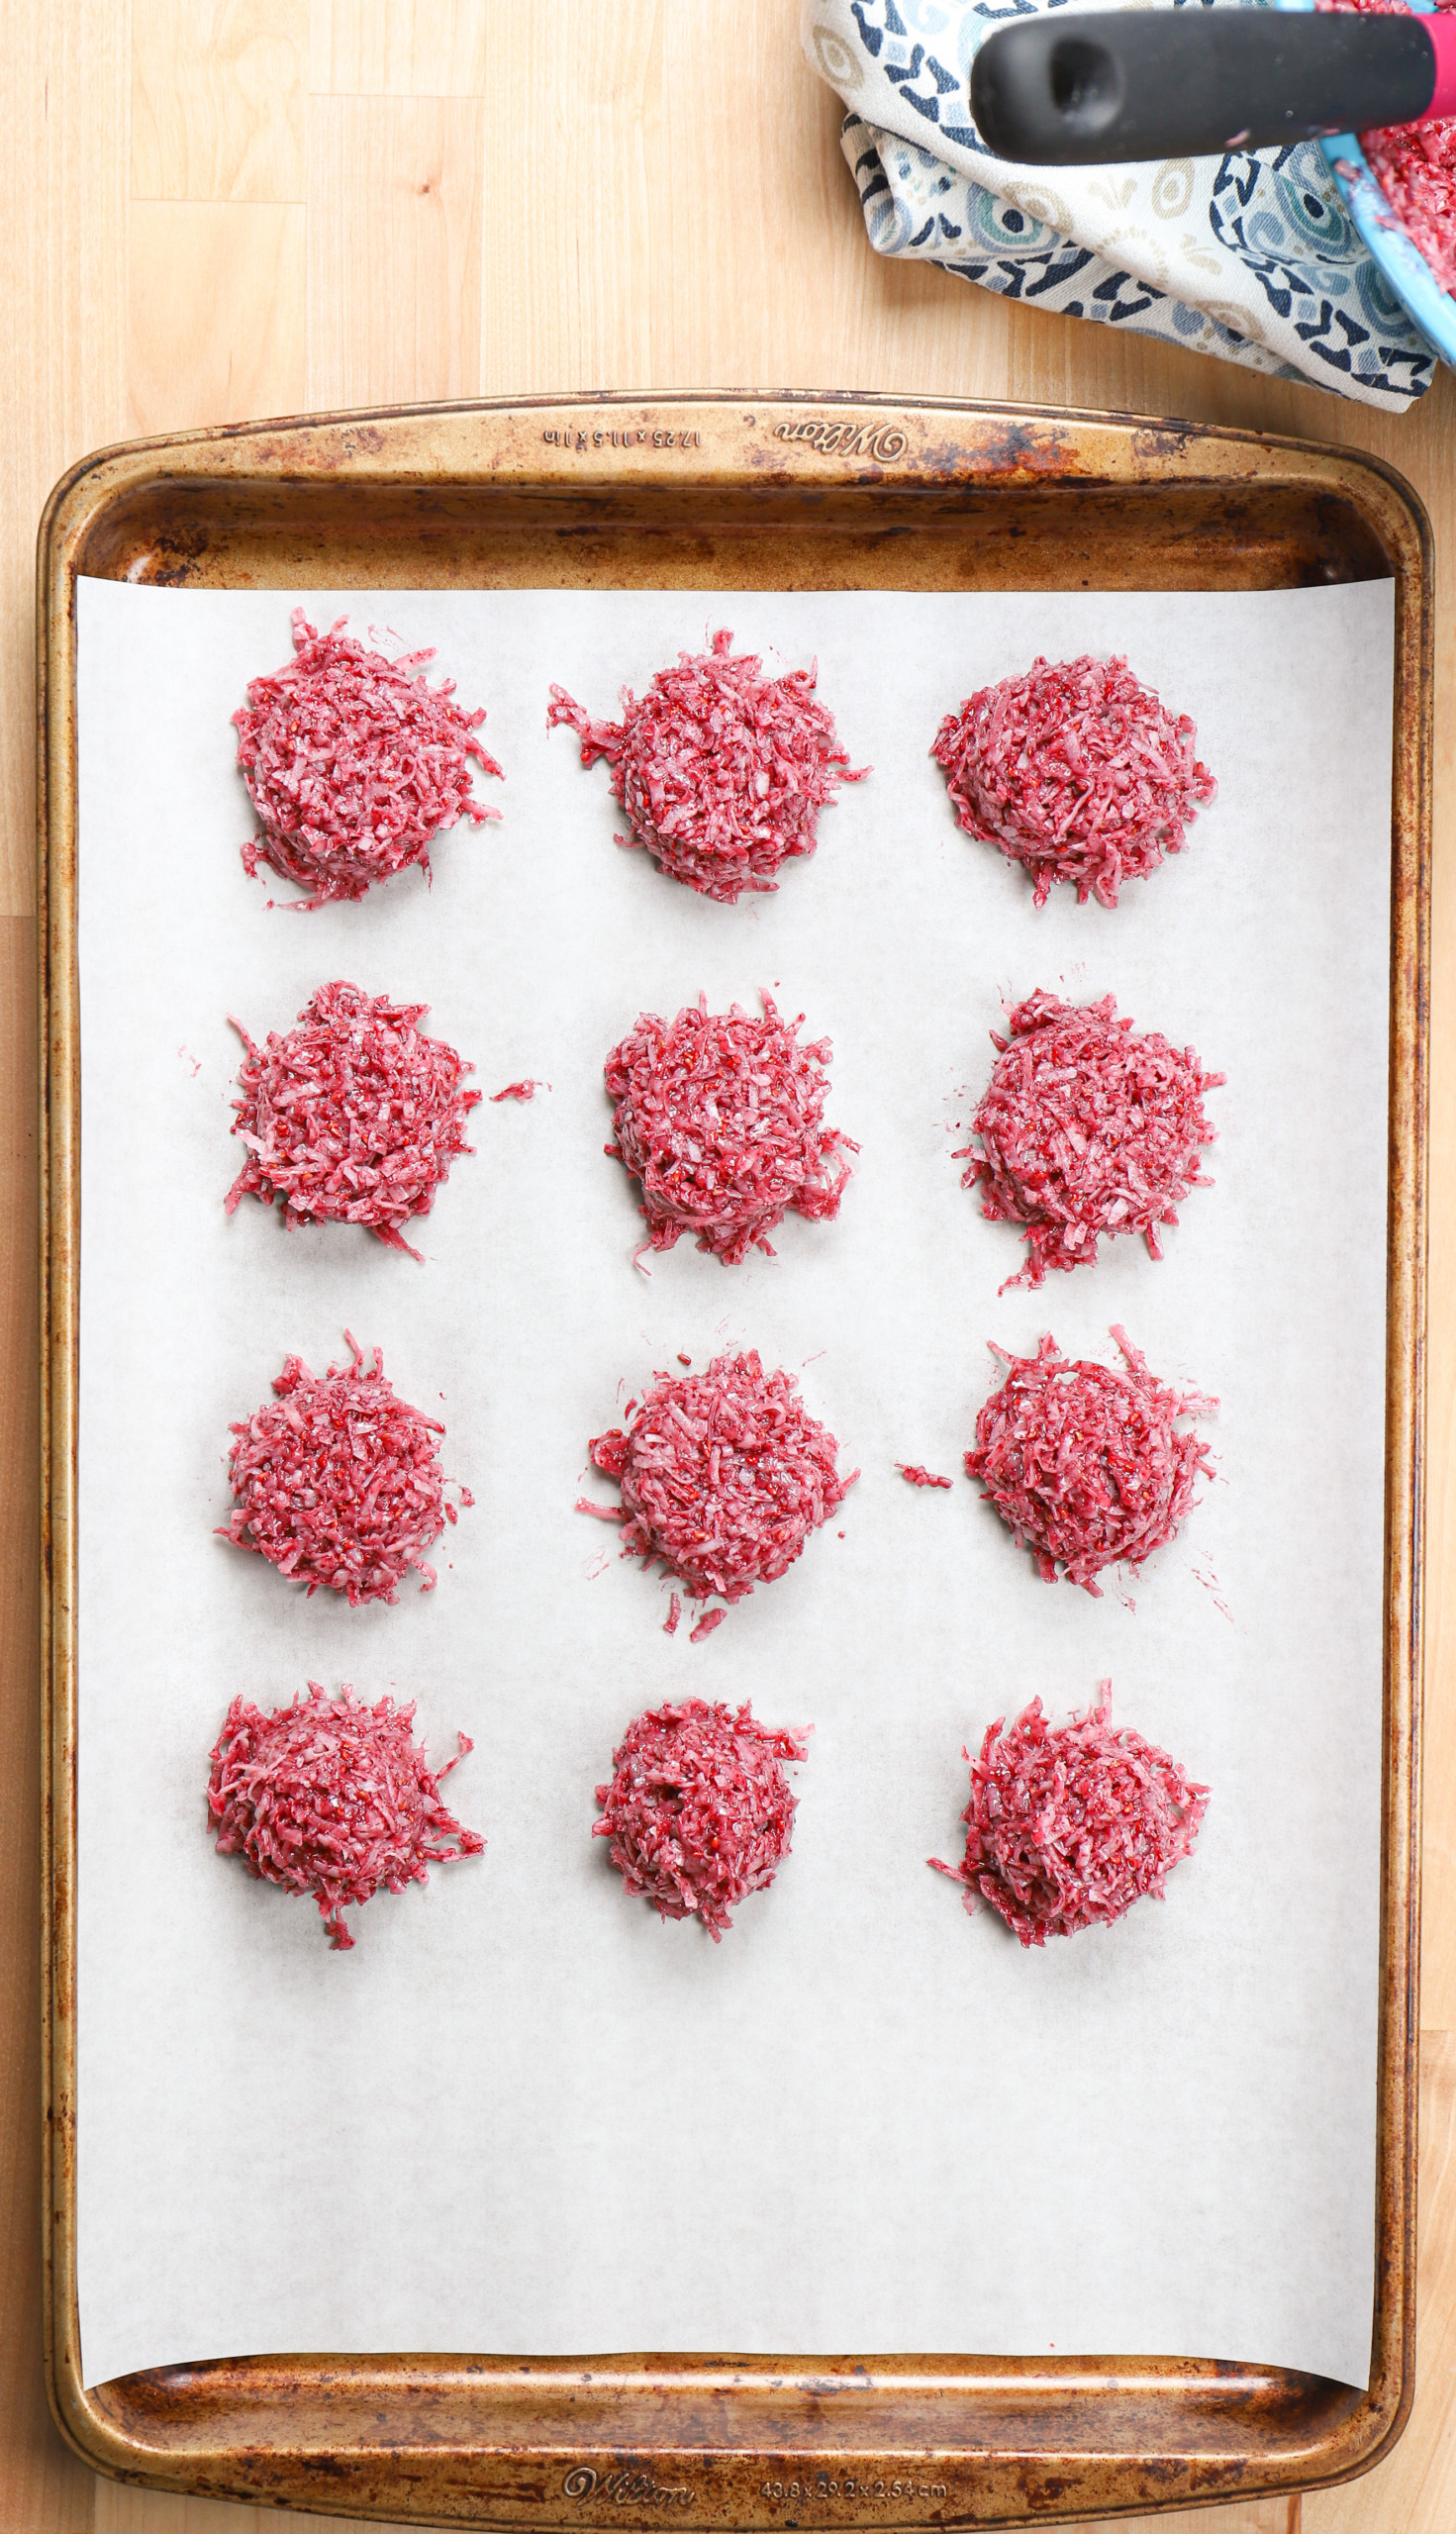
{"x":525,"y":2115}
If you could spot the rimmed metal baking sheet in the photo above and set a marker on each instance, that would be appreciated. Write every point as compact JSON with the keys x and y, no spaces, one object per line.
{"x":706,"y":494}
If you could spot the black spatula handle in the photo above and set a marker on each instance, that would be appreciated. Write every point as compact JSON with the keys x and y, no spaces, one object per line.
{"x":1073,"y":88}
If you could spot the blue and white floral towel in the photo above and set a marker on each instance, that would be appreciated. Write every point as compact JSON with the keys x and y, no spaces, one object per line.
{"x":1249,"y":256}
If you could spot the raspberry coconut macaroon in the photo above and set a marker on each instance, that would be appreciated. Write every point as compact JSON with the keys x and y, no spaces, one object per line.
{"x":697,"y":1809}
{"x":720,"y":770}
{"x":720,"y":1117}
{"x":1069,"y":1824}
{"x":337,"y":1480}
{"x":353,"y":1117}
{"x":1089,"y":1465}
{"x":724,"y":1475}
{"x":353,"y":765}
{"x":1086,"y":1130}
{"x":1077,"y":771}
{"x":332,"y":1797}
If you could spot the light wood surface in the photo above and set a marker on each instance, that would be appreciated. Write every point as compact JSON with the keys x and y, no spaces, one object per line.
{"x":219,"y":209}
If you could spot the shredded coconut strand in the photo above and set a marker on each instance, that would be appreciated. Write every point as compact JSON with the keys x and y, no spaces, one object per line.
{"x":337,"y":1481}
{"x":721,"y":1118}
{"x":334,"y":1797}
{"x":1069,"y":1824}
{"x":724,"y":1474}
{"x":353,"y":1117}
{"x":525,"y":1089}
{"x":722,"y":772}
{"x":697,"y":1809}
{"x":1086,"y":1131}
{"x":1075,"y":770}
{"x":353,"y":765}
{"x":1085,"y":1463}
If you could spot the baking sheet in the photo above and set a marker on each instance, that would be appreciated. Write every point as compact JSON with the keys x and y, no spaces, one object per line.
{"x":524,"y":2115}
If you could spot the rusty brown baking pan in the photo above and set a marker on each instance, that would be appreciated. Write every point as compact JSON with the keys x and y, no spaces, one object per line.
{"x":833,"y":492}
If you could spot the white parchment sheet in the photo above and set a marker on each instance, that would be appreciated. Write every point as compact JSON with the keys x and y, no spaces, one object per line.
{"x":524,"y":2114}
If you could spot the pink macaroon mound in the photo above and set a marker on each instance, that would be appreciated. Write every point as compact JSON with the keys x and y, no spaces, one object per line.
{"x":724,"y":1475}
{"x":1068,"y":1824}
{"x":720,"y":1117}
{"x":1086,"y":1130}
{"x":697,"y":1809}
{"x":353,"y":1116}
{"x":353,"y":765}
{"x":1077,"y":771}
{"x":720,"y":770}
{"x":334,"y":1797}
{"x":1089,"y":1465}
{"x":337,"y":1480}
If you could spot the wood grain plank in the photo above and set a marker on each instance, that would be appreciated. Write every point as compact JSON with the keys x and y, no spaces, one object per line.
{"x":62,"y":228}
{"x":712,"y":242}
{"x":395,"y":212}
{"x":62,"y":181}
{"x":570,"y":289}
{"x":719,"y":66}
{"x":219,"y":100}
{"x":228,"y":279}
{"x":402,"y":48}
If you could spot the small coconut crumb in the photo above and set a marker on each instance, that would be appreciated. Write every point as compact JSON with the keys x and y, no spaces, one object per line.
{"x":353,"y":765}
{"x":698,"y":1811}
{"x":334,"y":1797}
{"x":337,"y":1480}
{"x":1086,"y":1131}
{"x":706,"y":1625}
{"x":1067,"y":1826}
{"x":353,"y":1116}
{"x":724,"y":1474}
{"x":915,"y":1474}
{"x":719,"y":1118}
{"x":722,"y":772}
{"x":1085,"y":1463}
{"x":1077,"y":771}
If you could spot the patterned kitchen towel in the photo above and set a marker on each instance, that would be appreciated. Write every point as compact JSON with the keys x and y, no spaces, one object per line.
{"x":1249,"y":256}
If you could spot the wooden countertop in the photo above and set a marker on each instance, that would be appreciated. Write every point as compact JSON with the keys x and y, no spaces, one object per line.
{"x":218,"y":209}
